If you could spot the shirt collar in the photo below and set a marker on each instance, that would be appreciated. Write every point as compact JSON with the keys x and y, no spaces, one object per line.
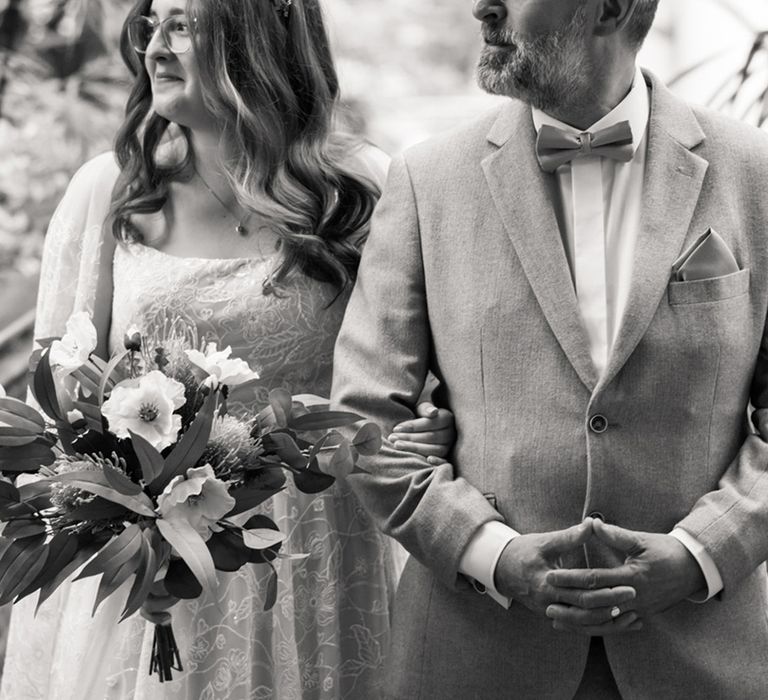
{"x":634,"y":108}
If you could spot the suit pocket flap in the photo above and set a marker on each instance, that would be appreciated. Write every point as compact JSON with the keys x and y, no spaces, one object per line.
{"x":707,"y":290}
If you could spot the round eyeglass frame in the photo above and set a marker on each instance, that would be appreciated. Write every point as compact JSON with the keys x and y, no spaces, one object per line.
{"x":149,"y":27}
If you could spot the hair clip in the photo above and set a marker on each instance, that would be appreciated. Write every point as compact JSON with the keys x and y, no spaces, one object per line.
{"x":285,"y":7}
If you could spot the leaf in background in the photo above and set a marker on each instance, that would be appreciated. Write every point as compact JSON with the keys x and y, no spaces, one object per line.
{"x":18,"y":414}
{"x":114,"y":554}
{"x":44,"y":388}
{"x":140,"y":503}
{"x":115,"y":578}
{"x":15,"y":563}
{"x":324,"y":420}
{"x":150,"y":460}
{"x":191,"y":548}
{"x":281,"y":403}
{"x":61,"y":550}
{"x":368,"y":440}
{"x":191,"y":446}
{"x":181,"y":582}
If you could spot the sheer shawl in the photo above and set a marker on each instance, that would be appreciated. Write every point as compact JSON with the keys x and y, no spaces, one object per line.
{"x":76,"y":275}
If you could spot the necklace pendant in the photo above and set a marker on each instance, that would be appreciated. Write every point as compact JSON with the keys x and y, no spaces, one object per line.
{"x":241,"y":230}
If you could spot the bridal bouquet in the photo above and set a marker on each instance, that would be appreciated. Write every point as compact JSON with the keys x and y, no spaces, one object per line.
{"x":135,"y":470}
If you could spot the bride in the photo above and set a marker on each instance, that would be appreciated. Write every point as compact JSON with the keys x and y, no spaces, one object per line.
{"x":229,"y":208}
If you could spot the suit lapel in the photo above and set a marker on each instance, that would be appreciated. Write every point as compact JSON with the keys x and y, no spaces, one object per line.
{"x":673,"y":181}
{"x":522,"y":194}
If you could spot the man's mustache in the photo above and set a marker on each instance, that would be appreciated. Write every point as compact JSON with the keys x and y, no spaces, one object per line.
{"x":499,"y":37}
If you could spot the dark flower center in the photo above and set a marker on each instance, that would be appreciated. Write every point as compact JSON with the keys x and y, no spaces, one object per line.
{"x":148,"y":412}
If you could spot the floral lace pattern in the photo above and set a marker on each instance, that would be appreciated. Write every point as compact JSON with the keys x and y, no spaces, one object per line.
{"x":326,"y":635}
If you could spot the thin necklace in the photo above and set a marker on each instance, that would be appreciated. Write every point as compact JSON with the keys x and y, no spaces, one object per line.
{"x":240,"y":229}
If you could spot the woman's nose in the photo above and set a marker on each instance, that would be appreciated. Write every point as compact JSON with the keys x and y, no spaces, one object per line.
{"x":491,"y":11}
{"x":157,"y":49}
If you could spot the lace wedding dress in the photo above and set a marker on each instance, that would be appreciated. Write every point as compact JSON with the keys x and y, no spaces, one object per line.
{"x":326,"y":634}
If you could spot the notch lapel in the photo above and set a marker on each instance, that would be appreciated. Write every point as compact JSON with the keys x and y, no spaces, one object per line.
{"x":521,"y":192}
{"x":673,"y":180}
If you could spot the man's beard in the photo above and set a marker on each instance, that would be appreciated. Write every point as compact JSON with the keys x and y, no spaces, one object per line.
{"x":547,"y":71}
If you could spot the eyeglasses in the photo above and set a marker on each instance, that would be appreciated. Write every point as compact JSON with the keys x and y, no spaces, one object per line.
{"x":175,"y":30}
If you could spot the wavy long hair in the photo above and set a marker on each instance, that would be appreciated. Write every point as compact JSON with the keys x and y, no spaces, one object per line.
{"x":269,"y":80}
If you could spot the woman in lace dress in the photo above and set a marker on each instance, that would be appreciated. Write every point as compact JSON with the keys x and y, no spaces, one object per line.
{"x":230,"y":210}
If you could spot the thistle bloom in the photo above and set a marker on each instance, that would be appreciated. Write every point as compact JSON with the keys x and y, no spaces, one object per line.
{"x":198,"y":498}
{"x":220,"y":368}
{"x":72,"y":351}
{"x":146,"y":406}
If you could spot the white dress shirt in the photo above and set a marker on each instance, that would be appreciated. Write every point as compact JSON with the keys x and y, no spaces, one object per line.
{"x":600,"y":208}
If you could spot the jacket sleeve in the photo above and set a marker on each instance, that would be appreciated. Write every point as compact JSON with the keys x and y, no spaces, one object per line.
{"x":381,"y":362}
{"x":731,"y":523}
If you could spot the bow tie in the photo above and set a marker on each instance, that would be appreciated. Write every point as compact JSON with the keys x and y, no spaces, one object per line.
{"x":556,"y":147}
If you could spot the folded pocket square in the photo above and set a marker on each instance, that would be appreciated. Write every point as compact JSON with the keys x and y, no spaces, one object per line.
{"x":708,"y":257}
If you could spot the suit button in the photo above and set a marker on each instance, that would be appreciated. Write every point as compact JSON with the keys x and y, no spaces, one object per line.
{"x":598,"y":424}
{"x":596,"y":515}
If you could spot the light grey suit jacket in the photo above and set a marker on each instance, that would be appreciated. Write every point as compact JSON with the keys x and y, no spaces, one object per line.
{"x":465,"y":274}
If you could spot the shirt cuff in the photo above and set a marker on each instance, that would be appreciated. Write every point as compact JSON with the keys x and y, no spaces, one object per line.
{"x":482,"y":555}
{"x":707,"y":564}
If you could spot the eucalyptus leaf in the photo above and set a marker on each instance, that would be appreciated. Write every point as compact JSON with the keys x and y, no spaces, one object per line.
{"x":262,"y":538}
{"x":145,"y":577}
{"x":121,"y":483}
{"x":112,"y":580}
{"x":44,"y":388}
{"x":368,"y":440}
{"x":107,"y":374}
{"x":61,"y":550}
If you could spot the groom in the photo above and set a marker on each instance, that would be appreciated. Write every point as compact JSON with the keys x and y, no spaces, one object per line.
{"x":586,"y":272}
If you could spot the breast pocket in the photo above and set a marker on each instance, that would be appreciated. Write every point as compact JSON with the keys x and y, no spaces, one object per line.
{"x":708,"y":290}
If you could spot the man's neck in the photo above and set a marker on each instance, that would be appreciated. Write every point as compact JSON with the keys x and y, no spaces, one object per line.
{"x":610,"y":89}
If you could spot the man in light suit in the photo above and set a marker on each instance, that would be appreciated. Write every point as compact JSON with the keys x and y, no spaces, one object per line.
{"x":586,"y":272}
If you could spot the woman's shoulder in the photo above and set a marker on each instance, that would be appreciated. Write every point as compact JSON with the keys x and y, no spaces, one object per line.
{"x":95,"y":176}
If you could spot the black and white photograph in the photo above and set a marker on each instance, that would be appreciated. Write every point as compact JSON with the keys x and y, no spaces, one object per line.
{"x":383,"y":350}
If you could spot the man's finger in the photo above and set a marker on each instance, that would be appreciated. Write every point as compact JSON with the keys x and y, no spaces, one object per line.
{"x":628,"y":622}
{"x":570,"y":615}
{"x":570,"y":538}
{"x":592,"y":579}
{"x":601,"y":598}
{"x":616,"y":537}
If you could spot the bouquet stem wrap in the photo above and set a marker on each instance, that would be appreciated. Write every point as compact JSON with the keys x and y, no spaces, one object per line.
{"x":165,"y":652}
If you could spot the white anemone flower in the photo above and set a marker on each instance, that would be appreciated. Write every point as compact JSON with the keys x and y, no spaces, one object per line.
{"x":199,"y":498}
{"x":220,"y":367}
{"x":72,"y":351}
{"x":146,"y":406}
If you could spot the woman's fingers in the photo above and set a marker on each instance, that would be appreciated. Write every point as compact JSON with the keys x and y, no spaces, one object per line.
{"x":441,"y":420}
{"x":425,"y":449}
